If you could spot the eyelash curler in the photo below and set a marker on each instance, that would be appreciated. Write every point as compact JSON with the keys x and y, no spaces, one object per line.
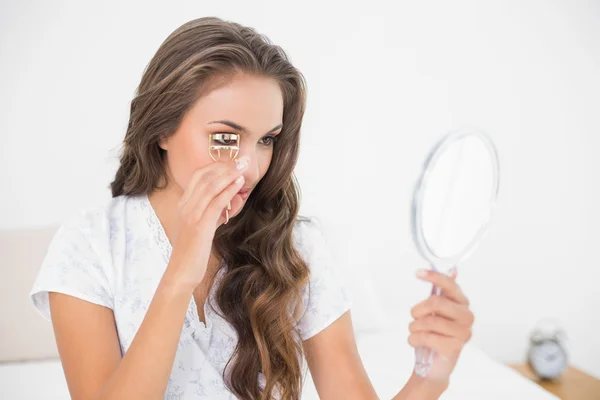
{"x":222,"y":142}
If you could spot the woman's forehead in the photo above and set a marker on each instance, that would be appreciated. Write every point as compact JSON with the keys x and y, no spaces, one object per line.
{"x":253,"y":103}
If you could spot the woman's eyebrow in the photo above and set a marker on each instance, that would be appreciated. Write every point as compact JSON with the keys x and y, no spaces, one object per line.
{"x":240,"y":128}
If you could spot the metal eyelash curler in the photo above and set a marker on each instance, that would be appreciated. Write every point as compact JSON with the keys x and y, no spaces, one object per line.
{"x":224,"y":141}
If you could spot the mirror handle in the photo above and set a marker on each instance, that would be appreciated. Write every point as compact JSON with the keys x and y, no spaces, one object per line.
{"x":424,"y":355}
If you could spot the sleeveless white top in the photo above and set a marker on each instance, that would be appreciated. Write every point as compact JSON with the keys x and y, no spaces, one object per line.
{"x":115,"y":256}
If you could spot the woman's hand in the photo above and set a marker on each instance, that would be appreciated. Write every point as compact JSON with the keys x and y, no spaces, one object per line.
{"x":442,"y":323}
{"x":200,"y":212}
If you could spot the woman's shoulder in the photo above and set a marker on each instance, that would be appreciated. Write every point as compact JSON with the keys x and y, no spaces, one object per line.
{"x":303,"y":226}
{"x":309,"y":236}
{"x":99,"y":220}
{"x":78,"y":258}
{"x":325,"y":297}
{"x":95,"y":229}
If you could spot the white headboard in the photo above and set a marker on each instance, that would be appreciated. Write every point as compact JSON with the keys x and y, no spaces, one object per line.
{"x":24,"y":333}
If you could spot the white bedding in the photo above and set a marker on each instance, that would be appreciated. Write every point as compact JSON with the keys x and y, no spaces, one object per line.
{"x":387,"y":358}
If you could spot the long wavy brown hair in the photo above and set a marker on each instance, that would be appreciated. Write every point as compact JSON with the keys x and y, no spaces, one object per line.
{"x":260,"y":294}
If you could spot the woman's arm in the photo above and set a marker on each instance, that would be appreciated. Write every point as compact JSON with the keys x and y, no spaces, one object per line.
{"x":86,"y":334}
{"x":88,"y":345}
{"x":338,"y":372}
{"x":335,"y":365}
{"x":337,"y":369}
{"x":418,"y":388}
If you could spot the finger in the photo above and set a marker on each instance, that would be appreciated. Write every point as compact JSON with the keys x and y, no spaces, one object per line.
{"x":444,"y":307}
{"x":208,"y":172}
{"x":448,"y":285}
{"x":216,"y":206}
{"x":211,"y":185}
{"x":446,"y":346}
{"x":441,"y":326}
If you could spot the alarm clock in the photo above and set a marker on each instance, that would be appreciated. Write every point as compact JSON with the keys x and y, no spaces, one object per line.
{"x":547,"y":355}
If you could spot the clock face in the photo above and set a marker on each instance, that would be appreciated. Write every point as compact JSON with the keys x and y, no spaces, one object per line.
{"x":548,"y":359}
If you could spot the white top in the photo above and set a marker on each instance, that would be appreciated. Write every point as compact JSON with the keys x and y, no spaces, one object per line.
{"x":115,"y":256}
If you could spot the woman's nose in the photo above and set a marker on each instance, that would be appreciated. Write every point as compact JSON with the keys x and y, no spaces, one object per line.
{"x":252,"y":172}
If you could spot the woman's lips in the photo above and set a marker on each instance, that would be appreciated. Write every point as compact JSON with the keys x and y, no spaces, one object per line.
{"x":244,"y":194}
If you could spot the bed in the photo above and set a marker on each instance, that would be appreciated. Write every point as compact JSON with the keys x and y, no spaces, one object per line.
{"x":477,"y":376}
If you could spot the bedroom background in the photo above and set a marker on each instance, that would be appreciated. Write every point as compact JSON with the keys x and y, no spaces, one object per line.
{"x":393,"y":74}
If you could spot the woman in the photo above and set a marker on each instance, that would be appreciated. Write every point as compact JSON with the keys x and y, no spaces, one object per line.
{"x":160,"y":295}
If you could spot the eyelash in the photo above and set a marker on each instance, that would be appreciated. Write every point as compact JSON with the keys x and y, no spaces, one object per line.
{"x":274,"y":139}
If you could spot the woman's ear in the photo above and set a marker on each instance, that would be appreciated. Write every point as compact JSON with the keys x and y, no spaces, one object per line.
{"x":163,"y":143}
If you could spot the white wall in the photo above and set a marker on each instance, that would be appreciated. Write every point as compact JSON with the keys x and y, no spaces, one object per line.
{"x":395,"y":76}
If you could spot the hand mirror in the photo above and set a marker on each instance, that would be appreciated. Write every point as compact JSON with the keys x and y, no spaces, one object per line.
{"x":452,"y":204}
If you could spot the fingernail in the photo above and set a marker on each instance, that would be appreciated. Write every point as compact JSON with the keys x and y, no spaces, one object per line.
{"x":242,"y":162}
{"x":421,"y":273}
{"x":240,"y":180}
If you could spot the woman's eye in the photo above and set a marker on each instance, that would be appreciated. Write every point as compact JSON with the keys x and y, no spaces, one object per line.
{"x":225,"y":139}
{"x":231,"y":139}
{"x":270,"y":140}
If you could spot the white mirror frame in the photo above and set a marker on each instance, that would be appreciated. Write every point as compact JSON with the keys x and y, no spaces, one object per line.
{"x":445,"y":263}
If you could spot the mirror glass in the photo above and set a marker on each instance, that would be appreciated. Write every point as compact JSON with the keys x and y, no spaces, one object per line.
{"x":457,"y":197}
